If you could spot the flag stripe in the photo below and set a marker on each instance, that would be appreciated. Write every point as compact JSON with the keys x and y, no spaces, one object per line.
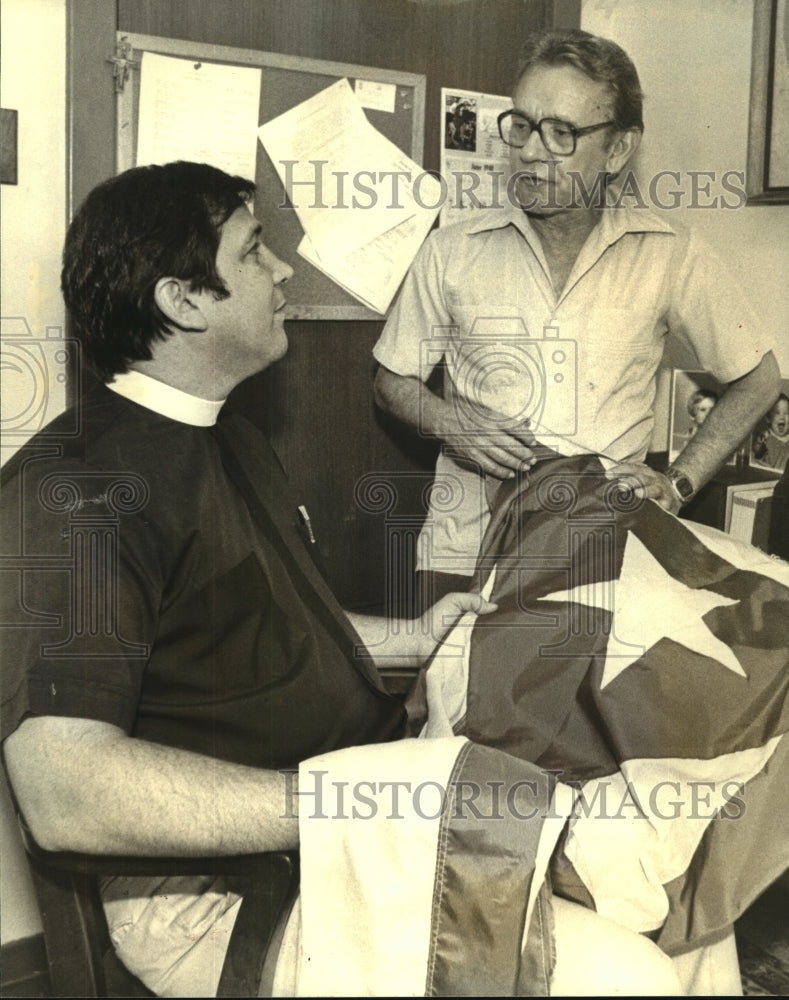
{"x":497,"y":835}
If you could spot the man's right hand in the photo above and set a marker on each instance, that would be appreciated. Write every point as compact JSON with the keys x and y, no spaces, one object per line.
{"x":486,"y":440}
{"x":475,"y":435}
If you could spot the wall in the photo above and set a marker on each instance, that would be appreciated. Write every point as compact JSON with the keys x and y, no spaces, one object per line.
{"x":694,"y":61}
{"x":33,"y":41}
{"x":33,"y":217}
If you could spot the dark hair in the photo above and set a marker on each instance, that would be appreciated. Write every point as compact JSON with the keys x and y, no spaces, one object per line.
{"x":598,"y":58}
{"x":145,"y":224}
{"x":783,"y":397}
{"x":697,"y":397}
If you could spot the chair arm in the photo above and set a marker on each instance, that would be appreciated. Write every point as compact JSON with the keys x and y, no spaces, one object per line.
{"x":116,"y":864}
{"x":75,"y":931}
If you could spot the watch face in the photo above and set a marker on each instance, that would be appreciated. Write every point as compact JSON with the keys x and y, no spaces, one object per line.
{"x":681,"y":483}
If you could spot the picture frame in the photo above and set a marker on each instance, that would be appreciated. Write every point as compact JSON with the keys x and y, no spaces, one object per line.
{"x":9,"y":128}
{"x":769,"y":440}
{"x":767,"y":179}
{"x":691,"y":392}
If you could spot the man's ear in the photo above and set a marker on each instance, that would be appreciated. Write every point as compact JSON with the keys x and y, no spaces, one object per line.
{"x":179,"y":304}
{"x":622,"y":149}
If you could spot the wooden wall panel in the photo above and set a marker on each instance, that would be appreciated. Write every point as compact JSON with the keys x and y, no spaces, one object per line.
{"x":318,"y":402}
{"x":90,"y":98}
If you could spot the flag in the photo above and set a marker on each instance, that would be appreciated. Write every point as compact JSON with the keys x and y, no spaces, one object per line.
{"x":423,"y":871}
{"x":642,"y":661}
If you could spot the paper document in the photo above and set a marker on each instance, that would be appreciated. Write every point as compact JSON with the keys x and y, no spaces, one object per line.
{"x":360,"y":200}
{"x":379,"y":96}
{"x":200,"y":111}
{"x":474,"y":160}
{"x":372,"y":273}
{"x":347,"y":182}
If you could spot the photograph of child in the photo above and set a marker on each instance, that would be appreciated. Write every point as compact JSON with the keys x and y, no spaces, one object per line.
{"x":770,"y":437}
{"x":693,"y":395}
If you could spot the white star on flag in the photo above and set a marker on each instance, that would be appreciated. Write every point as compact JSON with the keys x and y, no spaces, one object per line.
{"x":647,"y":605}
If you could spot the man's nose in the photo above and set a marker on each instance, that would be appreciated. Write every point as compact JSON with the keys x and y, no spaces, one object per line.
{"x":280,"y":271}
{"x":533,"y":148}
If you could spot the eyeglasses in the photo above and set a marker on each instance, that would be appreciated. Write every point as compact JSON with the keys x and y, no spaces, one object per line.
{"x":557,"y":136}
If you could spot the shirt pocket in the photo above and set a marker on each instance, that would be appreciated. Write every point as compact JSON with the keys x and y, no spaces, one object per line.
{"x":614,"y":331}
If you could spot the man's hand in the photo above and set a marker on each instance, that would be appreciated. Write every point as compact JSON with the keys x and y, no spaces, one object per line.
{"x":405,"y":642}
{"x":646,"y":483}
{"x":487,"y":441}
{"x":435,"y":624}
{"x":444,"y":615}
{"x":491,"y":443}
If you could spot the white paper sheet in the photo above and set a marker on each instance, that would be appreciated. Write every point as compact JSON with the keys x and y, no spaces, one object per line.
{"x":373,"y":273}
{"x":192,"y":110}
{"x":360,"y":199}
{"x":348,"y":183}
{"x":377,"y":95}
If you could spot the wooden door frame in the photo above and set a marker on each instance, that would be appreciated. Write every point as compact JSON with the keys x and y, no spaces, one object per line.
{"x":91,"y":27}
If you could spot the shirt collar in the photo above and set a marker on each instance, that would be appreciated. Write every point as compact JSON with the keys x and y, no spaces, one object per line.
{"x":615,"y":221}
{"x":166,"y":399}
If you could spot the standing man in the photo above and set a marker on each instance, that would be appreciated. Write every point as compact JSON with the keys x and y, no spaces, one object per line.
{"x":549,"y":314}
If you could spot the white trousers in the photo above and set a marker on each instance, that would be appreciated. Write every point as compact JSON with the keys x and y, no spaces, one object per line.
{"x":175,"y":940}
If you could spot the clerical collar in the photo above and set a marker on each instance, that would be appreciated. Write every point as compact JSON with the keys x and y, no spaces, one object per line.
{"x":166,"y":399}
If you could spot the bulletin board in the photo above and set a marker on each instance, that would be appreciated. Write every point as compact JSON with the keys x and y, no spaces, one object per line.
{"x":286,"y":81}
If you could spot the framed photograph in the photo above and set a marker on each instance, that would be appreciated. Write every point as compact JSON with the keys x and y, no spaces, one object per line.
{"x":693,"y":395}
{"x":8,"y":146}
{"x":770,"y":438}
{"x":460,"y":122}
{"x":768,"y":130}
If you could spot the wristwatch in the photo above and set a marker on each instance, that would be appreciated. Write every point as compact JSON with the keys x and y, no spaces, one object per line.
{"x":682,"y":486}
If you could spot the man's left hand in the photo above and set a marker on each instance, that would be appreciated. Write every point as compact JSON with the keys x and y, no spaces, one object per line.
{"x":647,"y":483}
{"x":444,"y":614}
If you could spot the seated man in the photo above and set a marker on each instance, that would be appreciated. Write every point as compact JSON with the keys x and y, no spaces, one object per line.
{"x":170,"y":645}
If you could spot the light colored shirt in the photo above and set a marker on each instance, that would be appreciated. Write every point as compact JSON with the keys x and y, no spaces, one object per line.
{"x":166,"y":400}
{"x":580,"y":365}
